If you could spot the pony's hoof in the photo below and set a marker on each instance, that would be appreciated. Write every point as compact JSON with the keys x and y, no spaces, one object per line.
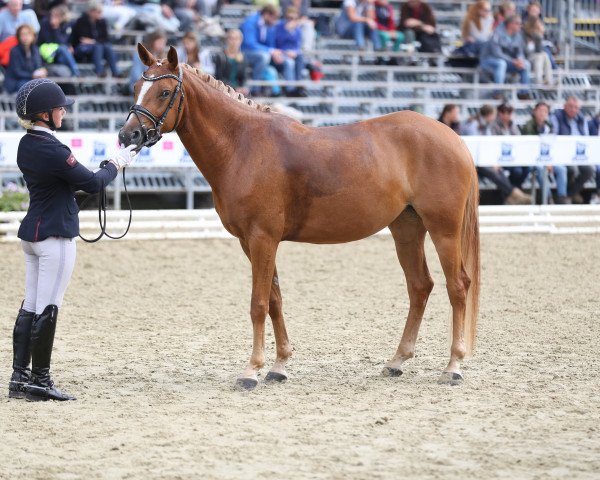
{"x":450,"y":378}
{"x":391,"y":372}
{"x":246,"y":383}
{"x":275,"y":377}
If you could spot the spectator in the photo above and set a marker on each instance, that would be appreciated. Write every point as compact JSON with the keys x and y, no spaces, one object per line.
{"x":90,"y":40}
{"x":540,"y":59}
{"x":450,"y":116}
{"x":504,"y":125}
{"x":258,"y":45}
{"x":154,"y":15}
{"x":570,"y":121}
{"x":505,"y":9}
{"x":156,"y":43}
{"x":309,"y":34}
{"x":481,"y":124}
{"x":118,"y":14}
{"x":190,"y":52}
{"x":594,"y":131}
{"x":539,"y":124}
{"x":53,"y":39}
{"x":230,"y":66}
{"x":476,"y":28}
{"x":504,"y":53}
{"x":25,"y":61}
{"x":288,"y":39}
{"x":356,"y":21}
{"x":418,"y":23}
{"x":386,"y":26}
{"x":11,"y":17}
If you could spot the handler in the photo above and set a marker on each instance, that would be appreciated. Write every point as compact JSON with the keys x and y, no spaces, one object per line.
{"x":48,"y":232}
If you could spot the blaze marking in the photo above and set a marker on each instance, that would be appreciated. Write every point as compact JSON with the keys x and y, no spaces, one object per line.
{"x":145,"y":87}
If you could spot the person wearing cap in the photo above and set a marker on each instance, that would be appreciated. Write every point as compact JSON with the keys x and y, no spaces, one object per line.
{"x":48,"y":231}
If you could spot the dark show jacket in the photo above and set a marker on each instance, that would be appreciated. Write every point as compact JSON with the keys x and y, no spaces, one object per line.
{"x":53,"y":175}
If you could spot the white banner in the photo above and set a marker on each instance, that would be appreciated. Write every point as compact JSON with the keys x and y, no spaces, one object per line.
{"x":91,"y":148}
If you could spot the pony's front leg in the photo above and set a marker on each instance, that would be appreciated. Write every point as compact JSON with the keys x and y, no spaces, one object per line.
{"x":261,"y":251}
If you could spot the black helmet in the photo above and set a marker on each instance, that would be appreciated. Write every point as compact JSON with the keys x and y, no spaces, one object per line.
{"x":39,"y":95}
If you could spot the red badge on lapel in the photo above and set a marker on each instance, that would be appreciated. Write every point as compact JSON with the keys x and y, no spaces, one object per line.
{"x":72,"y":161}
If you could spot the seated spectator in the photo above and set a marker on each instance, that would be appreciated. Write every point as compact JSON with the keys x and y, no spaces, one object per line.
{"x":356,"y":21}
{"x":504,"y":125}
{"x":25,"y":61}
{"x":118,"y":14}
{"x":11,"y":17}
{"x":189,"y":52}
{"x":154,"y":15}
{"x":288,"y":39}
{"x":481,"y":124}
{"x":90,"y":40}
{"x":230,"y":66}
{"x":53,"y":40}
{"x":594,"y":131}
{"x":539,"y":124}
{"x":504,"y":54}
{"x":156,"y":43}
{"x":258,"y":45}
{"x":505,"y":9}
{"x":534,"y":47}
{"x":476,"y":28}
{"x":534,"y":10}
{"x":309,"y":34}
{"x":386,"y":26}
{"x":417,"y":21}
{"x":450,"y":116}
{"x":570,"y":121}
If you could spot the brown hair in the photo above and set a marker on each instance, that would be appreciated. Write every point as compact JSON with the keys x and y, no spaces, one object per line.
{"x":194,"y":55}
{"x":472,"y":15}
{"x":25,"y":26}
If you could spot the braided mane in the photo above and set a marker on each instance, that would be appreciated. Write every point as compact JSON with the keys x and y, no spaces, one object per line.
{"x":226,"y":89}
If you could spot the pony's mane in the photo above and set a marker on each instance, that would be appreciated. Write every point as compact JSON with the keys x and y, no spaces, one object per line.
{"x":226,"y":89}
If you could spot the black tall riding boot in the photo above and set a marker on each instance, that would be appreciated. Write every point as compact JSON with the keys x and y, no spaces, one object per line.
{"x":21,"y":354}
{"x":41,"y":386}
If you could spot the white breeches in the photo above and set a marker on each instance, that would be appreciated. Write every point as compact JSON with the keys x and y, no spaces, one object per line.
{"x":48,"y":268}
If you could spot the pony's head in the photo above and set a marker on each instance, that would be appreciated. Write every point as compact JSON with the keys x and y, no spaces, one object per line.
{"x":158,"y":100}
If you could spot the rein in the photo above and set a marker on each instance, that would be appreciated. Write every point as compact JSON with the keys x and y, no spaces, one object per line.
{"x":102,"y":211}
{"x":153,"y":135}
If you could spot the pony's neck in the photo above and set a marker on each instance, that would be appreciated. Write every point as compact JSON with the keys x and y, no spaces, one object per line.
{"x":210,"y":121}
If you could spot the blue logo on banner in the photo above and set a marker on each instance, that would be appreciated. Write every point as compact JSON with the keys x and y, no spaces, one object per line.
{"x":580,"y":152}
{"x":506,"y":155}
{"x":1,"y":156}
{"x":144,"y":157}
{"x":544,"y":153}
{"x":99,"y":152}
{"x":185,"y":158}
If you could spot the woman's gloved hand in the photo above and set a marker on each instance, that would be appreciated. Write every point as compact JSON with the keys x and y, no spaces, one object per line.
{"x":124,"y":156}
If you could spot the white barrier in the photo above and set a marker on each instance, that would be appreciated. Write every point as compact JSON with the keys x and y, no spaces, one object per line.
{"x":179,"y":224}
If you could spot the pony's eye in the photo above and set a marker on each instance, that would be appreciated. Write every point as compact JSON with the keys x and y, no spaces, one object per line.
{"x":165,"y":94}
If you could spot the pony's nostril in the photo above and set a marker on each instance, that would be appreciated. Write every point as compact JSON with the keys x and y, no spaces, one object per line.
{"x":135,"y":135}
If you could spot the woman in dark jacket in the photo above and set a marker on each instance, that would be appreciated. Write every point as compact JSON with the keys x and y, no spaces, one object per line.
{"x":48,"y":232}
{"x":25,"y":61}
{"x":90,"y":40}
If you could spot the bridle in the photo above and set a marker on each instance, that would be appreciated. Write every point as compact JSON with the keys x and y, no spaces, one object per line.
{"x":153,"y":135}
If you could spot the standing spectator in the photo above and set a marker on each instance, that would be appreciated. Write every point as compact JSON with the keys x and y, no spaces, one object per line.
{"x":504,"y":125}
{"x":288,"y":39}
{"x":540,"y":59}
{"x":570,"y":121}
{"x":504,"y":53}
{"x":90,"y":40}
{"x":25,"y":61}
{"x":230,"y":66}
{"x":417,"y":21}
{"x":258,"y":44}
{"x":386,"y":26}
{"x":450,"y":116}
{"x":190,"y":52}
{"x":156,"y":43}
{"x":477,"y":27}
{"x":539,"y":124}
{"x":356,"y":21}
{"x":53,"y":39}
{"x":11,"y":17}
{"x":481,"y":124}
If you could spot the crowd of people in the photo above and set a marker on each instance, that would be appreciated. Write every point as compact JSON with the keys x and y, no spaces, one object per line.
{"x":273,"y":43}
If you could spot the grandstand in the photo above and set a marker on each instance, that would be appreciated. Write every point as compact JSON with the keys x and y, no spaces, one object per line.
{"x":355,"y":87}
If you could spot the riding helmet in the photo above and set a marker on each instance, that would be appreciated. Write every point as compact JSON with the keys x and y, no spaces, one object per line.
{"x":39,"y":95}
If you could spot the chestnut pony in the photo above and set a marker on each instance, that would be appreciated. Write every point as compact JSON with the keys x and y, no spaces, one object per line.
{"x":275,"y":179}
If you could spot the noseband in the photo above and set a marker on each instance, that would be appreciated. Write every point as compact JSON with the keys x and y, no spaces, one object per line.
{"x":153,"y":135}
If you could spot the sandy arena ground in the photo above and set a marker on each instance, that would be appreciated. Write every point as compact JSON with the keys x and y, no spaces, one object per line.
{"x":152,"y":336}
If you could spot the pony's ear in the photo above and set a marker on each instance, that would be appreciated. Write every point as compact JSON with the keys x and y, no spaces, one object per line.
{"x":172,"y":58}
{"x":145,"y":56}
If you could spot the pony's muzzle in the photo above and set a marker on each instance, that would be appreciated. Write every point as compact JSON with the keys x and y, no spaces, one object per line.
{"x":131,"y":137}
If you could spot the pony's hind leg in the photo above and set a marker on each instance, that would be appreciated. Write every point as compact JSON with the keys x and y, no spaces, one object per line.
{"x":282,"y":343}
{"x":409,"y":236}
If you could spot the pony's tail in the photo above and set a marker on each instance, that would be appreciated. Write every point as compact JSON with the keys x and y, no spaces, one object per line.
{"x":471,"y":262}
